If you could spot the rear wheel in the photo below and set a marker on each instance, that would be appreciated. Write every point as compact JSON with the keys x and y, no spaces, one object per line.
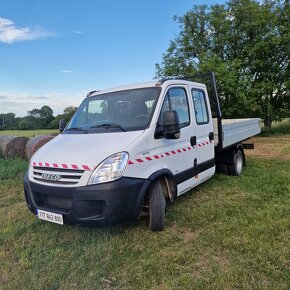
{"x":157,"y":205}
{"x":237,"y":167}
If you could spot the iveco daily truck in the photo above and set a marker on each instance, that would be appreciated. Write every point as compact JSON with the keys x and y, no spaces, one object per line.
{"x":128,"y":151}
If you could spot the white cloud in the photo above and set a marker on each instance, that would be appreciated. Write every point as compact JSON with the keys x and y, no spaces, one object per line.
{"x":67,"y":71}
{"x":9,"y":33}
{"x":78,"y":32}
{"x":20,"y":103}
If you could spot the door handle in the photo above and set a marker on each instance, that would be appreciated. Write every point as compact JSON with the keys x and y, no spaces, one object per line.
{"x":193,"y":140}
{"x":211,"y":136}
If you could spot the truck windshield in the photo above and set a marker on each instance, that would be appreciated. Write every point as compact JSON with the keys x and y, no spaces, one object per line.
{"x":121,"y":111}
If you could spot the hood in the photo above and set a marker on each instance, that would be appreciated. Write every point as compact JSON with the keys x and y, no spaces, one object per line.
{"x":82,"y":151}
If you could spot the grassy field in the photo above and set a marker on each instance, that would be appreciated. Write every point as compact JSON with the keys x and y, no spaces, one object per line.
{"x":229,"y":233}
{"x":28,"y":133}
{"x":278,"y":128}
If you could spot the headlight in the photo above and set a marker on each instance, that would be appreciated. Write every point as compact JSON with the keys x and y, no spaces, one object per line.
{"x":110,"y":169}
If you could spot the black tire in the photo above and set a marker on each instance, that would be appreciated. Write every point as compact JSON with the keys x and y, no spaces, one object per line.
{"x":157,"y":205}
{"x":237,"y":167}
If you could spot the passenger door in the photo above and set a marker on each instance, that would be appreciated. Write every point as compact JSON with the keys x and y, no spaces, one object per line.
{"x":204,"y":132}
{"x":179,"y":154}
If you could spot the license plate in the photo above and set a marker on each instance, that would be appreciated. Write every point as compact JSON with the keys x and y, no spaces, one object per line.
{"x":50,"y":217}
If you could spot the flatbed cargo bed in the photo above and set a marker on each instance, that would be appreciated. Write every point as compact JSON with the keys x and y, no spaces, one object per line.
{"x":236,"y":130}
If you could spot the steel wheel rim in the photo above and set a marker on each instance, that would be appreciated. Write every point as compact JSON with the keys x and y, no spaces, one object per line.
{"x":239,"y":164}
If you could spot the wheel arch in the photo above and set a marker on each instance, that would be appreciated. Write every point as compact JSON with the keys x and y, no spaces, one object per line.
{"x":167,"y":182}
{"x":226,"y":158}
{"x":227,"y":155}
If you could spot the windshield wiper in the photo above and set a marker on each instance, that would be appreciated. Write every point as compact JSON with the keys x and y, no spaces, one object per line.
{"x":109,"y":125}
{"x":75,"y":129}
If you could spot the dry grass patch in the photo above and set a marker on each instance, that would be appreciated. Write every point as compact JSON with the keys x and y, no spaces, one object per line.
{"x":270,"y":147}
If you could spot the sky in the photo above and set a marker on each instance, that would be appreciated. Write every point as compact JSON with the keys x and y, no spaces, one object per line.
{"x":54,"y":52}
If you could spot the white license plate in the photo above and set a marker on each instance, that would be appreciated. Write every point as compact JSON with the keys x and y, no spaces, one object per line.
{"x":50,"y":217}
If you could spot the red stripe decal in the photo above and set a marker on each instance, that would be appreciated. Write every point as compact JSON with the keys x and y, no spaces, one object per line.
{"x":86,"y":167}
{"x":55,"y":165}
{"x":64,"y":166}
{"x":159,"y":156}
{"x":74,"y":166}
{"x":46,"y":164}
{"x":40,"y":163}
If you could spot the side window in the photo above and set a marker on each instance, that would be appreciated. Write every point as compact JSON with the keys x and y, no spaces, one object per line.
{"x":200,"y":107}
{"x":176,"y":99}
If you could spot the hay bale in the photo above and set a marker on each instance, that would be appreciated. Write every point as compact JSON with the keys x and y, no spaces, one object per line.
{"x":35,"y":143}
{"x":13,"y":146}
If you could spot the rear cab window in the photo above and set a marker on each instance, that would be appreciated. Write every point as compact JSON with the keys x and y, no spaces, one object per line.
{"x":200,"y":107}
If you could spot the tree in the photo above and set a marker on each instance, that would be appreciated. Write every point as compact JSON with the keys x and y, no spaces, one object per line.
{"x":7,"y":120}
{"x":247,"y":44}
{"x":40,"y":117}
{"x":24,"y":124}
{"x":34,"y":113}
{"x":67,"y":114}
{"x":46,"y":113}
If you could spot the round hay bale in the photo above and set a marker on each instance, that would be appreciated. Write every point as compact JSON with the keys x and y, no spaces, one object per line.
{"x":13,"y":146}
{"x":35,"y":143}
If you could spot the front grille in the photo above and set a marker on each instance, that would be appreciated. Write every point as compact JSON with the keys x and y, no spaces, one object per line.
{"x":52,"y":202}
{"x":57,"y":175}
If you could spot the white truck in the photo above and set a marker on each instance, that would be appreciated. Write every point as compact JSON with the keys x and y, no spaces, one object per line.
{"x":128,"y":151}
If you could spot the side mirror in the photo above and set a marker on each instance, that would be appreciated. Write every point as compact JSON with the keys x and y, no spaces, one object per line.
{"x":61,"y":125}
{"x":171,"y":126}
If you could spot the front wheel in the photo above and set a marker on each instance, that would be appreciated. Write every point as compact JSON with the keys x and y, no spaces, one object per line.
{"x":237,"y":167}
{"x":157,"y":205}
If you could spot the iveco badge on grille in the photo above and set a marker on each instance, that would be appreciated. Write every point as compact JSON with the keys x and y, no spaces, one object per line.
{"x":51,"y":177}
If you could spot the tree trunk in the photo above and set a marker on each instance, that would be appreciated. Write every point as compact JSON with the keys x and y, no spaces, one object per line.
{"x":268,"y":122}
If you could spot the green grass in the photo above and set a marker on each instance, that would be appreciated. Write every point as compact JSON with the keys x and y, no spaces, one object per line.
{"x":228,"y":233}
{"x":278,"y":128}
{"x":28,"y":133}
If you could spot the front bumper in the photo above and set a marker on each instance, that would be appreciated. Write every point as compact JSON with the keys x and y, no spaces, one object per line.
{"x":100,"y":205}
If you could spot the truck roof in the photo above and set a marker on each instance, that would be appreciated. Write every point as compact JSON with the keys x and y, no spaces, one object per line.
{"x":157,"y":83}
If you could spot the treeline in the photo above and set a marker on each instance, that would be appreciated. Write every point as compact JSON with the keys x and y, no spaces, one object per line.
{"x":36,"y":119}
{"x":247,"y":44}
